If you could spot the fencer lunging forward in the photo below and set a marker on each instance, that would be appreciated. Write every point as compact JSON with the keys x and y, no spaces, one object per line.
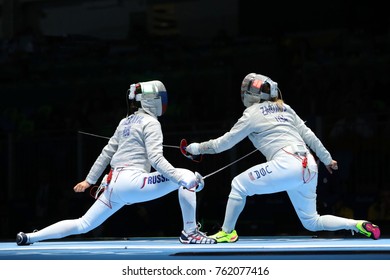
{"x":284,"y":139}
{"x":135,"y":146}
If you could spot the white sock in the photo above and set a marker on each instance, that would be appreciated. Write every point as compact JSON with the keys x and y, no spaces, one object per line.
{"x":56,"y":231}
{"x":333,"y":223}
{"x":234,"y":208}
{"x":187,"y":200}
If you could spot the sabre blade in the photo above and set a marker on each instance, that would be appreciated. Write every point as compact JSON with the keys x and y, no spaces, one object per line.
{"x":104,"y":137}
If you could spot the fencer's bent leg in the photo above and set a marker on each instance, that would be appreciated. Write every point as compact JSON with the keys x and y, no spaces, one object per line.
{"x":142,"y":189}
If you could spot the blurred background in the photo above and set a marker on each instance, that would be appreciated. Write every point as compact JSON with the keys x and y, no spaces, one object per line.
{"x":65,"y":67}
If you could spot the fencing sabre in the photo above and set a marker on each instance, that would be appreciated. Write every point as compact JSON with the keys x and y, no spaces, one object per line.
{"x":104,"y":137}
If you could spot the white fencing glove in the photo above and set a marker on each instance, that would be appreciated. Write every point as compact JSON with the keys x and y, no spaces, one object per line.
{"x":189,"y":181}
{"x":192,"y":182}
{"x":193,"y":148}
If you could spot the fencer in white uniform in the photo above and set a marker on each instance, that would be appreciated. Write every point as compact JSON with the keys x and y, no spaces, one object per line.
{"x":286,"y":141}
{"x":135,"y":147}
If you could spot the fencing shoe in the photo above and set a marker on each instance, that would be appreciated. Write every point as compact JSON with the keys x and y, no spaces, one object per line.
{"x":22,"y":239}
{"x":224,"y":237}
{"x":368,"y":229}
{"x":196,"y":237}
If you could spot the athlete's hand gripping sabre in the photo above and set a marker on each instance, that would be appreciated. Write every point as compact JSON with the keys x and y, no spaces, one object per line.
{"x":194,"y":183}
{"x":189,"y":153}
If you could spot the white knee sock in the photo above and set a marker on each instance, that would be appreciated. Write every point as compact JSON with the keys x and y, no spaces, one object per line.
{"x":234,"y":208}
{"x":55,"y":231}
{"x":187,"y":200}
{"x":332,"y":223}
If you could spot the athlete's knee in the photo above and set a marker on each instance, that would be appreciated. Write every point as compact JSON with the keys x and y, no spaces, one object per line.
{"x":84,"y":226}
{"x":237,"y":190}
{"x":312,"y":223}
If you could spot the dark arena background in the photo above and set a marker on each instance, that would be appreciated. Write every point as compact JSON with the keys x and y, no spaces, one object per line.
{"x":65,"y":67}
